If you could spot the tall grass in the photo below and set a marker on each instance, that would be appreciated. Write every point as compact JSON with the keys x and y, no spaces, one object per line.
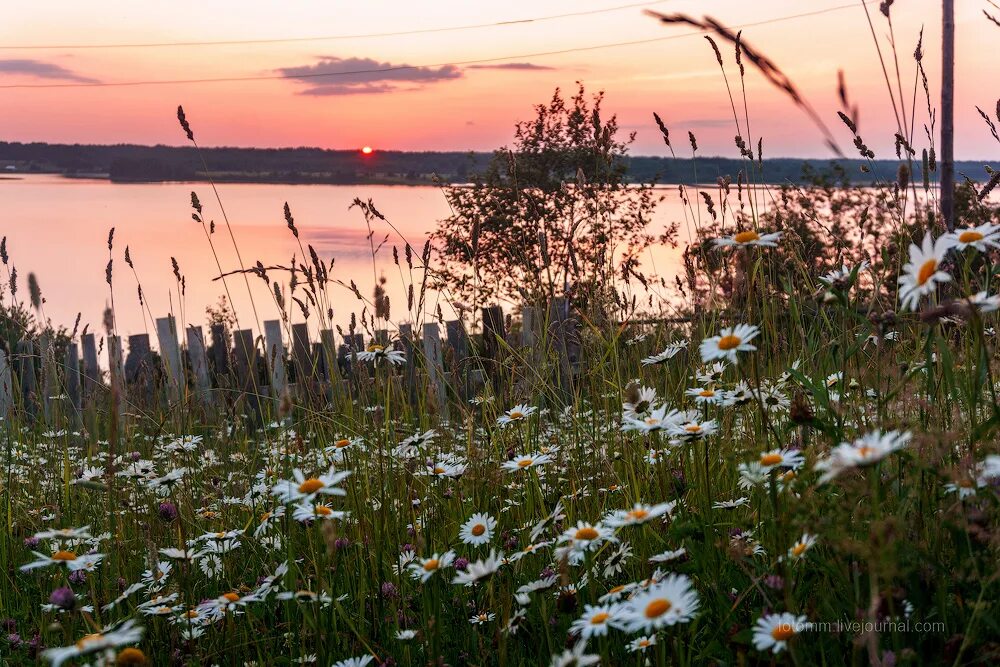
{"x":821,"y":488}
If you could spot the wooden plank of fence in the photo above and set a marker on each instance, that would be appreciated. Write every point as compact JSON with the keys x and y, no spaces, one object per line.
{"x":245,"y":354}
{"x":494,"y":333}
{"x":529,"y":327}
{"x":71,"y":373}
{"x":25,"y":364}
{"x":50,"y":379}
{"x":219,"y":358}
{"x":458,"y":340}
{"x":331,"y":364}
{"x":406,"y":341}
{"x":138,"y":376}
{"x":91,"y":369}
{"x":560,"y":325}
{"x":116,"y":371}
{"x":435,"y":366}
{"x":6,"y":387}
{"x":274,"y":355}
{"x":305,"y":364}
{"x":198,"y":360}
{"x":170,"y":353}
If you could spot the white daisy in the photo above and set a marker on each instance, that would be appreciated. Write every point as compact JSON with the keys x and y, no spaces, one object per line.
{"x":749,"y":238}
{"x":478,"y":529}
{"x":668,"y":602}
{"x":923,"y":272}
{"x":772,"y":632}
{"x":729,"y":342}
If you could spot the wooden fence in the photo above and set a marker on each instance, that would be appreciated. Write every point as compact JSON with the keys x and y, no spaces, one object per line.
{"x":238,"y":372}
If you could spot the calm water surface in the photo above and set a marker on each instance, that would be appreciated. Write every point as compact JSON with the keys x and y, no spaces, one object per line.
{"x":57,"y":228}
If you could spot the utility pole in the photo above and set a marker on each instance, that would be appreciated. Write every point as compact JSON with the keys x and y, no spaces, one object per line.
{"x":948,"y":113}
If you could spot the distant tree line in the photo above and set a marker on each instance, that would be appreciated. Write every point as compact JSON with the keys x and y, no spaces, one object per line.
{"x":129,"y":162}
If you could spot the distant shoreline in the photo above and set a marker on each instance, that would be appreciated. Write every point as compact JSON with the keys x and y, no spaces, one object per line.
{"x":128,"y":163}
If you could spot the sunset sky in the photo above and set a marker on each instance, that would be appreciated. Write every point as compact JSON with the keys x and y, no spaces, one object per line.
{"x":443,"y":106}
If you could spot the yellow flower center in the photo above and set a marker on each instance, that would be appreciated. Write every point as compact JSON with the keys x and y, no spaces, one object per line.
{"x":431,"y":565}
{"x":746,"y":237}
{"x":865,"y":452}
{"x":438,"y":470}
{"x":89,"y":639}
{"x":637,"y":515}
{"x":799,"y":549}
{"x":343,"y":442}
{"x":658,"y":608}
{"x":970,"y":236}
{"x":64,"y":556}
{"x":323,"y":510}
{"x":516,"y":414}
{"x":478,"y":529}
{"x":587,"y":533}
{"x":265,"y":516}
{"x":928,"y":269}
{"x":729,"y":342}
{"x":617,"y":589}
{"x":599,"y":619}
{"x":783,"y":632}
{"x":192,"y":613}
{"x":706,"y":393}
{"x":375,"y":348}
{"x":311,"y":485}
{"x":771,"y":459}
{"x":232,"y":597}
{"x":524,"y":463}
{"x":692,"y":428}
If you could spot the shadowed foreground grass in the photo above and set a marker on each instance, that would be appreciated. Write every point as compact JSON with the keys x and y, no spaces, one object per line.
{"x":818,"y":487}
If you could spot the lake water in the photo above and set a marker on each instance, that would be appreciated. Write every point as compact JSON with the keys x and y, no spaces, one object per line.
{"x":57,"y":228}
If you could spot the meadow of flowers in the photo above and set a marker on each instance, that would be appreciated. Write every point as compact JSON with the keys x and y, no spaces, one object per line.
{"x":814,"y":484}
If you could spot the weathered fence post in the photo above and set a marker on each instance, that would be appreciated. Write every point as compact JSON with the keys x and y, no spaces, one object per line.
{"x":50,"y":381}
{"x":458,"y":340}
{"x":329,"y":345}
{"x":245,"y":353}
{"x":116,"y":373}
{"x":91,"y":369}
{"x":71,"y":373}
{"x":494,"y":333}
{"x":220,"y":350}
{"x":435,"y":366}
{"x":139,"y":370}
{"x":6,"y":387}
{"x":26,"y":377}
{"x":410,"y":373}
{"x":274,"y":355}
{"x":305,"y":368}
{"x":560,"y":324}
{"x":198,"y":360}
{"x":170,"y":353}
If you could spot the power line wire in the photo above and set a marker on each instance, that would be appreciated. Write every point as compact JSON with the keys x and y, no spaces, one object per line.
{"x":397,"y":68}
{"x":283,"y":40}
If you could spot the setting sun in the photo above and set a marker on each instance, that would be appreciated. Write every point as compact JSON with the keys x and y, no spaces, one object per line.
{"x":367,"y":150}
